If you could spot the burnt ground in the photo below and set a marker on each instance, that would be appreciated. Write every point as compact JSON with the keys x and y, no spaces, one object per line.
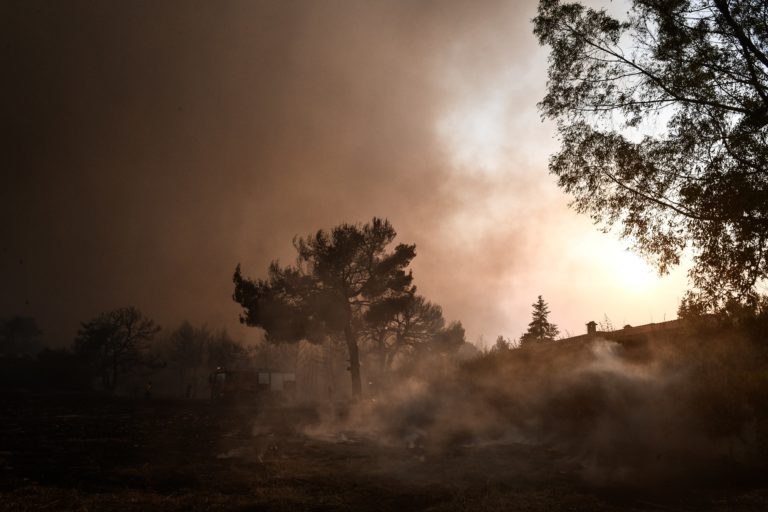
{"x":85,"y":453}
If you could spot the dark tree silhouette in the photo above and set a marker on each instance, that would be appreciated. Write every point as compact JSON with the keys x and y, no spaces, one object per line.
{"x":191,"y":352}
{"x":448,"y":340}
{"x":663,"y":122}
{"x":339,"y":275}
{"x":502,"y":344}
{"x":401,"y":324}
{"x":115,"y":342}
{"x":187,"y":346}
{"x":224,"y":351}
{"x":186,"y":351}
{"x":540,"y":329}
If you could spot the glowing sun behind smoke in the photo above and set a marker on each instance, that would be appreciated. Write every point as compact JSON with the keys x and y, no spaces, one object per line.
{"x":634,"y":273}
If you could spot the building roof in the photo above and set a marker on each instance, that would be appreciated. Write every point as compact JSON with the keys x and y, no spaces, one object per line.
{"x":629,"y":331}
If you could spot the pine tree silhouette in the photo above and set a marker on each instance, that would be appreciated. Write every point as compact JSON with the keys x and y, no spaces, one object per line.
{"x":540,"y":329}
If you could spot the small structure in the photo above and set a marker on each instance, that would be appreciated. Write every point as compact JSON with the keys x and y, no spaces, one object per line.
{"x":629,"y":333}
{"x":251,"y":386}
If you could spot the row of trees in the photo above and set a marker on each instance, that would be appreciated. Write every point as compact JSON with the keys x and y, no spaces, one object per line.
{"x":114,"y":344}
{"x":118,"y":341}
{"x":347,"y":284}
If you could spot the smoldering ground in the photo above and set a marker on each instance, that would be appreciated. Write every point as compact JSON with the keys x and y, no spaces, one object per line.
{"x":690,"y":408}
{"x":511,"y":430}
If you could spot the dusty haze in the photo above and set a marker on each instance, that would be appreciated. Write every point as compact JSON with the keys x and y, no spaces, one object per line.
{"x":151,"y":146}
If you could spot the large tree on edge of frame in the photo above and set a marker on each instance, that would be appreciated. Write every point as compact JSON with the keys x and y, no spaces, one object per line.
{"x":339,"y":275}
{"x":663,"y":121}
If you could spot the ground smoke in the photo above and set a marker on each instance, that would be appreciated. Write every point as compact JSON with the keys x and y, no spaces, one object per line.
{"x":694,"y":406}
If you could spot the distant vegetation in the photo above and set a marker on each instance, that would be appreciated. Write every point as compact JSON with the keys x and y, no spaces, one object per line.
{"x":114,"y":342}
{"x":119,"y":351}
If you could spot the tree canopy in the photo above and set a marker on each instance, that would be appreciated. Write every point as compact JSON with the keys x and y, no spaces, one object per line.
{"x":540,"y":329}
{"x":502,"y":344}
{"x":401,"y":324}
{"x":339,"y":275}
{"x":186,"y":345}
{"x":448,"y":340}
{"x":662,"y":122}
{"x":115,"y":341}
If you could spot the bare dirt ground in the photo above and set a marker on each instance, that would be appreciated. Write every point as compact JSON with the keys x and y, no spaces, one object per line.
{"x":86,"y":453}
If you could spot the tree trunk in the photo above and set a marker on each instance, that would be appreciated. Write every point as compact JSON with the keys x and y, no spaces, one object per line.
{"x":382,"y":350}
{"x":390,"y":358}
{"x":113,"y":383}
{"x":354,"y":361}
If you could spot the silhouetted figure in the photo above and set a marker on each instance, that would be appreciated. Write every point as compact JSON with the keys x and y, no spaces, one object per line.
{"x":217,"y":381}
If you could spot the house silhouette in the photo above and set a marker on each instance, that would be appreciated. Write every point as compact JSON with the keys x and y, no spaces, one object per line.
{"x":629,"y":333}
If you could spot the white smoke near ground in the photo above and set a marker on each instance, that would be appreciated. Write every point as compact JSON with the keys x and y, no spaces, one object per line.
{"x":622,"y":413}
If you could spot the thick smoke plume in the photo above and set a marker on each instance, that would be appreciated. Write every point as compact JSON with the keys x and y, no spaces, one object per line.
{"x":150,"y":146}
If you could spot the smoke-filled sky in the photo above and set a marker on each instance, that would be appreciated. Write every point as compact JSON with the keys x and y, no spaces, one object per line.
{"x":151,"y":146}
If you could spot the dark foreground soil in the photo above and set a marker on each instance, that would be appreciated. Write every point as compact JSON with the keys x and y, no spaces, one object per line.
{"x":91,"y":453}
